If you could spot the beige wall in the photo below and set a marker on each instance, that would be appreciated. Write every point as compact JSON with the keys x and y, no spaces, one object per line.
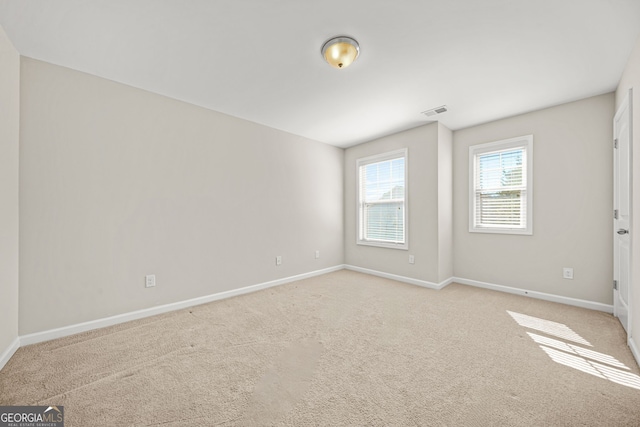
{"x":116,"y":183}
{"x":9,"y":127}
{"x":423,"y":144}
{"x":631,"y":79}
{"x":572,"y":196}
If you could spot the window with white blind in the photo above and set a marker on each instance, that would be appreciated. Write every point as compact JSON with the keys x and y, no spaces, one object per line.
{"x":382,"y":200}
{"x":500,"y":186}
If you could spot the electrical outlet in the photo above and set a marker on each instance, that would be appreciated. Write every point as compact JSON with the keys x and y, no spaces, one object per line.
{"x":567,"y":273}
{"x":149,"y":280}
{"x":412,"y":259}
{"x":278,"y":260}
{"x":317,"y":254}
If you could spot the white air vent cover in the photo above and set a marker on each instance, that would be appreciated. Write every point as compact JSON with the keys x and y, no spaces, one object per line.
{"x":435,"y":111}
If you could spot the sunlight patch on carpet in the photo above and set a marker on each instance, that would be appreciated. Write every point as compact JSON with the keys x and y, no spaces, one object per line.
{"x":548,"y":327}
{"x":579,"y":351}
{"x":593,"y":368}
{"x":585,"y":360}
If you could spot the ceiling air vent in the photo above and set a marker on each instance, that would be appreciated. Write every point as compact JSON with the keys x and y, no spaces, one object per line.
{"x":435,"y":111}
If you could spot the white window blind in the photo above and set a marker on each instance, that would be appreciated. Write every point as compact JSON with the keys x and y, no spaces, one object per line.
{"x":500,"y":186}
{"x":382,"y":200}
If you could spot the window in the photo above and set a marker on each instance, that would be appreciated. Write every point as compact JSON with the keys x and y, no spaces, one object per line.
{"x":500,"y":186}
{"x":382,"y":200}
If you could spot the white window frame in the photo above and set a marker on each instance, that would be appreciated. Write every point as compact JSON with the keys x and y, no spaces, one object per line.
{"x":396,"y":154}
{"x":525,"y":142}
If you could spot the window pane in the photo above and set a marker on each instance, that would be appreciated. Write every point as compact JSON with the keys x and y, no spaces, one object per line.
{"x":380,"y":181}
{"x":499,"y":208}
{"x":384,"y":171}
{"x":398,"y":192}
{"x":502,"y":169}
{"x":384,"y":222}
{"x":397,"y":169}
{"x":511,"y":177}
{"x":490,"y":161}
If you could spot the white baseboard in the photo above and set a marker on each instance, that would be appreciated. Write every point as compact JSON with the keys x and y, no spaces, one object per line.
{"x":6,"y":355}
{"x":634,"y":350}
{"x":539,"y":295}
{"x":152,"y":311}
{"x":404,"y":279}
{"x":139,"y":314}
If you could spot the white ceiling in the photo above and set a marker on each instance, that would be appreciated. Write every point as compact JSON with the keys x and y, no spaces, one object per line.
{"x":260,"y":59}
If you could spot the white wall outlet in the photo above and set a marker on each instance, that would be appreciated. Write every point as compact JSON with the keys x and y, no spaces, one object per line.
{"x":567,"y":273}
{"x":317,"y":254}
{"x":412,"y":259}
{"x":149,"y":280}
{"x":278,"y":260}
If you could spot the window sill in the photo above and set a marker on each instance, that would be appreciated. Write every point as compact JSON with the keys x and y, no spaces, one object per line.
{"x":404,"y":246}
{"x":502,"y":231}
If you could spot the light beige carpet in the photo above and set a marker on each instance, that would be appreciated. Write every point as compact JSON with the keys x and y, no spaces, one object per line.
{"x":343,"y":349}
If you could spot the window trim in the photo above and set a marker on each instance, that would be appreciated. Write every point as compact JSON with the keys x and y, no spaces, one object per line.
{"x":526,"y":142}
{"x":363,"y":161}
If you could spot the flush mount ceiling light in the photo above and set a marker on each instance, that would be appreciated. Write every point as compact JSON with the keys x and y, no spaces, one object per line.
{"x":340,"y":52}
